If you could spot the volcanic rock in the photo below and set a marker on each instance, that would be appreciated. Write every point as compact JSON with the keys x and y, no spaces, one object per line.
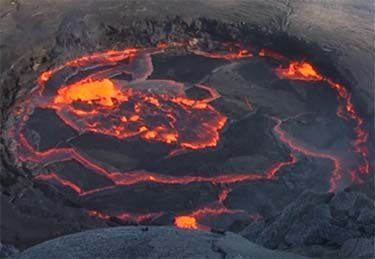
{"x":335,"y":35}
{"x":342,"y":222}
{"x":359,"y":248}
{"x":155,"y":242}
{"x":7,"y":250}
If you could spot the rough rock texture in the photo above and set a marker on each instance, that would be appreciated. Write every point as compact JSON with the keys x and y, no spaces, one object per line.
{"x":149,"y":242}
{"x":343,"y":220}
{"x":7,"y":250}
{"x":344,"y":27}
{"x":360,"y":247}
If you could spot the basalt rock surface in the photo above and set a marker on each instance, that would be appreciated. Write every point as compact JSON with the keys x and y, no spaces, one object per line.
{"x":149,"y":242}
{"x":322,"y":225}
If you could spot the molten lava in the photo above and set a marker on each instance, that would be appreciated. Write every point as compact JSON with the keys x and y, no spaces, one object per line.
{"x":186,"y":222}
{"x":159,"y":111}
{"x":294,"y":145}
{"x":190,"y":220}
{"x":102,"y":107}
{"x":346,"y":110}
{"x":99,"y":104}
{"x":299,"y":71}
{"x":102,"y":92}
{"x":229,"y":51}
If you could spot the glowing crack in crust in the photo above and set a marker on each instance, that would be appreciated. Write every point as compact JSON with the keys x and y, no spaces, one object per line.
{"x":123,"y":113}
{"x":346,"y":110}
{"x":159,"y":111}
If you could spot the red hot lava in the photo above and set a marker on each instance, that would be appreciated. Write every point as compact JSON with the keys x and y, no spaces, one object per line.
{"x":346,"y":110}
{"x":190,"y":220}
{"x":159,"y":111}
{"x":123,"y":113}
{"x":99,"y":104}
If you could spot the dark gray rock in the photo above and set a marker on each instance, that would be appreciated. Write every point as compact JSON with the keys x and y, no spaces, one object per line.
{"x":358,"y":248}
{"x":314,"y":220}
{"x":7,"y":250}
{"x":150,"y":242}
{"x":294,"y":225}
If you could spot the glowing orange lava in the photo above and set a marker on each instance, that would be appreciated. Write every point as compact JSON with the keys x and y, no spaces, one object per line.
{"x":346,"y":110}
{"x":186,"y":222}
{"x":63,"y":182}
{"x":153,"y":117}
{"x":99,"y":104}
{"x":190,"y":220}
{"x":294,"y":145}
{"x":230,"y":51}
{"x":102,"y":92}
{"x":159,"y":111}
{"x":299,"y":71}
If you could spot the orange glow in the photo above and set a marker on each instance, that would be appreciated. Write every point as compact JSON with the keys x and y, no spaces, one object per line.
{"x":229,"y":55}
{"x":137,"y":121}
{"x":109,"y":56}
{"x":99,"y":105}
{"x":228,"y":51}
{"x":186,"y":222}
{"x":102,"y":92}
{"x":63,"y":182}
{"x":299,"y":71}
{"x":346,"y":110}
{"x":162,"y":45}
{"x":125,"y":216}
{"x":294,"y":145}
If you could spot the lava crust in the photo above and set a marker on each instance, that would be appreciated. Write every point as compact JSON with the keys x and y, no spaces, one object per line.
{"x":135,"y":146}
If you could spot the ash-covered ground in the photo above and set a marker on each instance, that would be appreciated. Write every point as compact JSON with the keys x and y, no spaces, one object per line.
{"x":255,"y":146}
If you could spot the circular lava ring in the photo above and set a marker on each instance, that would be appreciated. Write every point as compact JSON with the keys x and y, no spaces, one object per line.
{"x":111,"y":93}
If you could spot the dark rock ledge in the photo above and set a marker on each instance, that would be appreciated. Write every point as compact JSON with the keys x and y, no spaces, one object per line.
{"x":149,"y":242}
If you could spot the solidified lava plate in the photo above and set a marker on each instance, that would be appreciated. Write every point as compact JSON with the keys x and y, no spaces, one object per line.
{"x":200,"y":137}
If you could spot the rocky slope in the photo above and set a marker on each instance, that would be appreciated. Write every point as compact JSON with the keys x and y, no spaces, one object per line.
{"x":328,"y":225}
{"x":149,"y":242}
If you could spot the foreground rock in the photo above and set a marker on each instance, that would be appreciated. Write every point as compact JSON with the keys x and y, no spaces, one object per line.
{"x":149,"y":242}
{"x":7,"y":250}
{"x":322,"y":225}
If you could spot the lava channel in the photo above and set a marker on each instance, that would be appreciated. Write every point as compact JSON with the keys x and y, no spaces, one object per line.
{"x":159,"y":111}
{"x":120,"y":109}
{"x":346,"y":110}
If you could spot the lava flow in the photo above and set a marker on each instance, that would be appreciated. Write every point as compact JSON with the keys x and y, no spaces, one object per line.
{"x":159,"y":111}
{"x":346,"y":110}
{"x":103,"y":107}
{"x":294,"y":145}
{"x":228,"y":51}
{"x":190,"y":221}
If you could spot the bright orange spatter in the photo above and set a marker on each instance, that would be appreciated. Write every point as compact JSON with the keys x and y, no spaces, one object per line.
{"x":186,"y":222}
{"x":102,"y":92}
{"x":299,"y":71}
